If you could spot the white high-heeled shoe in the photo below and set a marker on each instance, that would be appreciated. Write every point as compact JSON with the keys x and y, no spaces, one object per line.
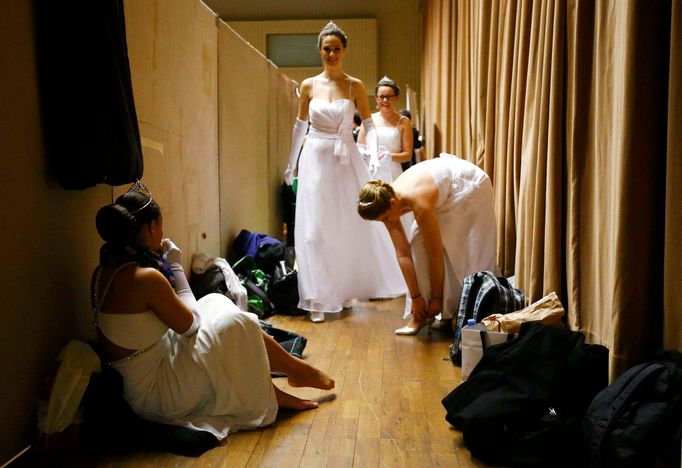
{"x":317,"y":317}
{"x":407,"y":330}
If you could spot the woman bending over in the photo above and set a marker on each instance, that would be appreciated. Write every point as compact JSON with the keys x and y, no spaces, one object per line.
{"x":453,"y":234}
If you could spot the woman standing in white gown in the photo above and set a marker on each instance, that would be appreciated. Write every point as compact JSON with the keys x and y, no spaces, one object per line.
{"x":394,"y":132}
{"x":199,"y":364}
{"x":395,"y":138}
{"x":339,"y":256}
{"x":453,"y":236}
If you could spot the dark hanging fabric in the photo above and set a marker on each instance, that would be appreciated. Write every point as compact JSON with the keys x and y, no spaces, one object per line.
{"x":88,"y":112}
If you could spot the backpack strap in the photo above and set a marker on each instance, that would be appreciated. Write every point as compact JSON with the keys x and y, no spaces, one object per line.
{"x":252,"y":288}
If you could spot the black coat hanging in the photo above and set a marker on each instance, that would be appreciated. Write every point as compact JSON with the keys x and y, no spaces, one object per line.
{"x":89,"y":121}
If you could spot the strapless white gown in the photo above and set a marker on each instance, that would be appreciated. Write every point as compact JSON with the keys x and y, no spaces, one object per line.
{"x":340,"y":256}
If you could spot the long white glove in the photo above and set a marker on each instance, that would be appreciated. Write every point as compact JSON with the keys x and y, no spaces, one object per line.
{"x":298,"y":134}
{"x":173,"y":255}
{"x":372,"y":141}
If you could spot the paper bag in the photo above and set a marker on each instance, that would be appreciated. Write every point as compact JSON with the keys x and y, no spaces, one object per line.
{"x":547,"y":310}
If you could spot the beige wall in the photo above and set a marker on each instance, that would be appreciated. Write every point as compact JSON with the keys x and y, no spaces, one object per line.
{"x":175,"y":82}
{"x":48,"y":239}
{"x":257,"y":111}
{"x":360,"y":61}
{"x":399,"y":41}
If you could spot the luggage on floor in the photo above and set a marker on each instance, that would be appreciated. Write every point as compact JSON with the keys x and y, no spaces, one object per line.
{"x":211,"y":281}
{"x":637,"y":420}
{"x":257,"y":285}
{"x":293,"y":343}
{"x":284,"y":290}
{"x":524,"y":402}
{"x":547,"y":310}
{"x":475,"y":339}
{"x":483,"y":294}
{"x":214,"y":275}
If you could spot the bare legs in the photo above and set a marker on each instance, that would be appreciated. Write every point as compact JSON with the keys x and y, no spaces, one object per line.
{"x":286,"y":400}
{"x":300,"y":373}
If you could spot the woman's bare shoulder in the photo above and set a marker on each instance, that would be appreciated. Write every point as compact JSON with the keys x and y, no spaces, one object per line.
{"x":306,"y":86}
{"x":417,"y":184}
{"x":356,"y":83}
{"x":308,"y":82}
{"x":148,"y":276}
{"x":405,"y":122}
{"x":133,"y":276}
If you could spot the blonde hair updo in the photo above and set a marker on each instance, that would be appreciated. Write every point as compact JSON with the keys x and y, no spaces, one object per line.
{"x":374,"y":199}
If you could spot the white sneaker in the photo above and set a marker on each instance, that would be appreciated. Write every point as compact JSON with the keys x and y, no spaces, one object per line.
{"x":317,"y":317}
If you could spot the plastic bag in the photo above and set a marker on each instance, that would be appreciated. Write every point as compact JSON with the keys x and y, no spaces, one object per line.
{"x":78,"y":361}
{"x":547,"y":310}
{"x":201,"y":263}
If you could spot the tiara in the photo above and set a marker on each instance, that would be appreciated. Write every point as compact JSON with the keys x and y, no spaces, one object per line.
{"x":142,"y":189}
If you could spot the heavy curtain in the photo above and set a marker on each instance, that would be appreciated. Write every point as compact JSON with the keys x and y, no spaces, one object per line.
{"x":572,"y":106}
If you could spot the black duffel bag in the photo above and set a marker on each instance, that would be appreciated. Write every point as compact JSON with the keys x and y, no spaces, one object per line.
{"x":284,"y":290}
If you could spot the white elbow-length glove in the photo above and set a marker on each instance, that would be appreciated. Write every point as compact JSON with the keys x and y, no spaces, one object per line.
{"x":298,"y":134}
{"x":173,"y":255}
{"x":372,"y":141}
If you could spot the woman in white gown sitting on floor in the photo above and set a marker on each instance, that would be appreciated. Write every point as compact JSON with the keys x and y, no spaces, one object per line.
{"x":453,"y":236}
{"x":199,"y":364}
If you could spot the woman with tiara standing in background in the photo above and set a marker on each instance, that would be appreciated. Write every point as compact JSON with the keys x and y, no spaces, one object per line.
{"x":395,"y":139}
{"x":394,"y":132}
{"x":339,"y":257}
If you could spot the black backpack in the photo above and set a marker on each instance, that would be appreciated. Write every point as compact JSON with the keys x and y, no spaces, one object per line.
{"x":636,"y":421}
{"x":211,"y":281}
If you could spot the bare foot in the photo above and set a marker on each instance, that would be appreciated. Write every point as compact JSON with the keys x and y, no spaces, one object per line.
{"x":285,"y":400}
{"x":312,"y":377}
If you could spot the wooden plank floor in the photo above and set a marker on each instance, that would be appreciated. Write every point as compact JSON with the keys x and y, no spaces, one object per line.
{"x":384,"y":412}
